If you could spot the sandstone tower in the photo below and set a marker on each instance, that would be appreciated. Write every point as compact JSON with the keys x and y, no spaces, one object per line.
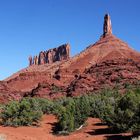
{"x":107,"y":28}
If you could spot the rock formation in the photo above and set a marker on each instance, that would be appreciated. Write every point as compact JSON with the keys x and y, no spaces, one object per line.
{"x":106,"y":63}
{"x":30,"y":60}
{"x":50,"y":56}
{"x":7,"y":93}
{"x":107,"y":28}
{"x":42,"y":58}
{"x":110,"y":74}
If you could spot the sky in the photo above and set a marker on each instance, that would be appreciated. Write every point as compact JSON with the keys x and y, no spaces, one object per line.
{"x":30,"y":26}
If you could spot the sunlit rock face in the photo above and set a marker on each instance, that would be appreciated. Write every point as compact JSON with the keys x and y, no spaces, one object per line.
{"x":50,"y":56}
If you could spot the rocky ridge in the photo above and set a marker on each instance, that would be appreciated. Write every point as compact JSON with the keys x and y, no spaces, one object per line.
{"x":107,"y":62}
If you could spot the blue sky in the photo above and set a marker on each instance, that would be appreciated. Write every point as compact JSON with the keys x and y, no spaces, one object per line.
{"x":29,"y":26}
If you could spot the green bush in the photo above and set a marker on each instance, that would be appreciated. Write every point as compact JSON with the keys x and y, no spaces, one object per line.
{"x":126,"y":115}
{"x":21,"y":113}
{"x":65,"y":109}
{"x":73,"y":112}
{"x":120,"y":112}
{"x":47,"y":106}
{"x":82,"y":110}
{"x":1,"y":106}
{"x":103,"y":107}
{"x":66,"y":120}
{"x":58,"y":104}
{"x":55,"y":89}
{"x":103,"y":104}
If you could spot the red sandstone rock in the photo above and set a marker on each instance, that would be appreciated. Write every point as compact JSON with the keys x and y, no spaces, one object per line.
{"x":107,"y":28}
{"x":30,"y":60}
{"x":57,"y":54}
{"x":45,"y":90}
{"x":108,"y":74}
{"x":7,"y":93}
{"x":102,"y":64}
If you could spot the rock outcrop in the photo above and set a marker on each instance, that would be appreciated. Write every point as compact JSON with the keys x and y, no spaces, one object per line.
{"x":50,"y":56}
{"x":110,"y":74}
{"x":7,"y":93}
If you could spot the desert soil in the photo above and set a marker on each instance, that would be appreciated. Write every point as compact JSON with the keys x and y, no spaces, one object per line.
{"x":94,"y":130}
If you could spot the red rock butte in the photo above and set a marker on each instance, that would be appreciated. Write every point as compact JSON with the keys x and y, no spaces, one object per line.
{"x":50,"y":56}
{"x":102,"y":64}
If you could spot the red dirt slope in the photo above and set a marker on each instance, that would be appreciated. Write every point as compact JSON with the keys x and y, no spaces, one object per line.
{"x":95,"y":130}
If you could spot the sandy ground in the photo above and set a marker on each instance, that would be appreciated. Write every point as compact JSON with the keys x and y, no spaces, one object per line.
{"x":95,"y":130}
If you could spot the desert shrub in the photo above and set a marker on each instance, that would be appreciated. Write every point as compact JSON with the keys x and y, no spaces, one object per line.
{"x":66,"y":122}
{"x":47,"y":106}
{"x":103,"y":104}
{"x":66,"y":118}
{"x":59,"y":103}
{"x":103,"y":107}
{"x":73,"y":112}
{"x":55,"y":89}
{"x":126,"y":115}
{"x":92,"y":102}
{"x":120,"y":112}
{"x":21,"y":113}
{"x":82,"y":110}
{"x":1,"y":106}
{"x":136,"y":90}
{"x":63,"y":101}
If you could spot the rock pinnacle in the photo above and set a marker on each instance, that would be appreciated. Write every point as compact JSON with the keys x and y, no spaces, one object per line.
{"x":107,"y":28}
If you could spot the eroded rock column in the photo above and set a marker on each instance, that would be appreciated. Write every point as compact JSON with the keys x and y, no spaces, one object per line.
{"x":107,"y":28}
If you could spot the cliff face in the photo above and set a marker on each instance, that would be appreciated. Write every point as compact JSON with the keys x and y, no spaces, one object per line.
{"x":50,"y":56}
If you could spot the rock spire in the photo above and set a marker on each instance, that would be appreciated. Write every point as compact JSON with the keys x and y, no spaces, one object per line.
{"x":107,"y":28}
